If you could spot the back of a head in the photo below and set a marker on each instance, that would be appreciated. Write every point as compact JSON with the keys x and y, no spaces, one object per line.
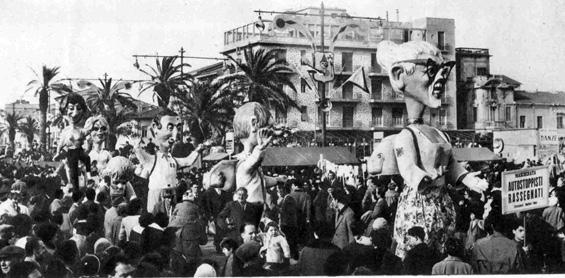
{"x":242,"y":118}
{"x":453,"y":247}
{"x":417,"y":231}
{"x":90,"y":194}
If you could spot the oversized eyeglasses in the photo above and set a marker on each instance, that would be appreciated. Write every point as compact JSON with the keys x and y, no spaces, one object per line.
{"x":103,"y":128}
{"x":432,"y":67}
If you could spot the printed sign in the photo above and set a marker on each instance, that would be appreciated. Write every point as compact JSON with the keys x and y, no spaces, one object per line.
{"x":230,"y":147}
{"x":548,"y":137}
{"x":525,"y":189}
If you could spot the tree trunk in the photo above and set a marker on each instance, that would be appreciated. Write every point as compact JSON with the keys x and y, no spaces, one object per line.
{"x":43,"y":106}
{"x":12,"y":138}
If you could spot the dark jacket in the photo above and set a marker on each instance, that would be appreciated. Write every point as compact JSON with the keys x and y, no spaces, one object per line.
{"x":303,"y":204}
{"x":214,"y":202}
{"x":190,"y":237}
{"x":344,"y":222}
{"x":151,"y":238}
{"x":238,"y":214}
{"x":183,"y":213}
{"x":419,"y":260}
{"x":288,"y":212}
{"x":313,"y":257}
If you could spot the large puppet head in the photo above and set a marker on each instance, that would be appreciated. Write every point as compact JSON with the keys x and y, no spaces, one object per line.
{"x":164,"y":130}
{"x":120,"y":170}
{"x":98,"y":127}
{"x":416,"y":69}
{"x":248,"y":119}
{"x":75,"y":107}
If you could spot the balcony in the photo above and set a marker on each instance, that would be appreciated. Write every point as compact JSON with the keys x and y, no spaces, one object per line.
{"x":377,"y":122}
{"x":377,"y":71}
{"x":387,"y":98}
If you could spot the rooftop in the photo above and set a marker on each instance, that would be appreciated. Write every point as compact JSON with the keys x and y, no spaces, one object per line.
{"x":523,"y":97}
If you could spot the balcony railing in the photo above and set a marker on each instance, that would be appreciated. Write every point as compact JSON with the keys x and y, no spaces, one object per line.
{"x":397,"y":121}
{"x":377,"y":122}
{"x":396,"y":34}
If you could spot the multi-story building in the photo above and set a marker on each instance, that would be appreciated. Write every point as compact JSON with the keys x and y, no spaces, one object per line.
{"x":354,"y":113}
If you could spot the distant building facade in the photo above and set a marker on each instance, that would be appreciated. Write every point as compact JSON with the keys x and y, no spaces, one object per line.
{"x":353,"y":111}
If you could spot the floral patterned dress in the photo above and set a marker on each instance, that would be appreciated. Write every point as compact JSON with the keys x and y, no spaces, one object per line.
{"x":423,"y":151}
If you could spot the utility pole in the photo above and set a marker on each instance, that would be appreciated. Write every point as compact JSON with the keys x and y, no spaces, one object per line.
{"x":323,"y":84}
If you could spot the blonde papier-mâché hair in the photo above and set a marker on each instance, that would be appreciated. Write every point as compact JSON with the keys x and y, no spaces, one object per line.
{"x":390,"y":53}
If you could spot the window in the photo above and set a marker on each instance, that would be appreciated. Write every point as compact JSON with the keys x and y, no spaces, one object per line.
{"x":522,"y":121}
{"x":303,"y":85}
{"x":540,"y":121}
{"x":144,"y":132}
{"x":442,"y":116}
{"x":376,"y":89}
{"x":304,"y":113}
{"x":280,"y":116}
{"x":560,"y":120}
{"x":303,"y":57}
{"x":347,"y":61}
{"x":281,"y":55}
{"x":474,"y":114}
{"x":374,"y":64}
{"x":508,"y":114}
{"x":482,"y":71}
{"x":347,"y":90}
{"x":406,"y":35}
{"x":397,"y":117}
{"x":441,"y":40}
{"x":347,"y":116}
{"x":377,"y":117}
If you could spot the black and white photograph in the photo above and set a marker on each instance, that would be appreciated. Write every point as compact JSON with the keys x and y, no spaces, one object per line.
{"x":193,"y":138}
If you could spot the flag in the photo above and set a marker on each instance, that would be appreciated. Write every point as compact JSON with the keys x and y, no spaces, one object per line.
{"x":358,"y":79}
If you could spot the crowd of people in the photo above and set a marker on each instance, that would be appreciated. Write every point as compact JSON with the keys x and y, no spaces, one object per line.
{"x":315,"y":225}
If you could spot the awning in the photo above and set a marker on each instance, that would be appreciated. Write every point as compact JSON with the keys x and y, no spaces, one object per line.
{"x":215,"y":156}
{"x":307,"y":156}
{"x":474,"y":154}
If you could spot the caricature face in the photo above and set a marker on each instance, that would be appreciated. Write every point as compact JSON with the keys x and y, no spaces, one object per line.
{"x":99,"y":132}
{"x":165,"y":134}
{"x":427,"y":83}
{"x":75,"y":111}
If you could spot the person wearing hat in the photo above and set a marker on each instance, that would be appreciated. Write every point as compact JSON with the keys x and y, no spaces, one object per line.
{"x":12,"y":206}
{"x":9,"y":256}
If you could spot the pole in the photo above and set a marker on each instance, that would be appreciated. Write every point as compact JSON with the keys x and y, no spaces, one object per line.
{"x":322,"y":84}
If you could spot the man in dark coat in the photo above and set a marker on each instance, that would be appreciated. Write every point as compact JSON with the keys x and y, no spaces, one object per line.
{"x":344,"y":221}
{"x":315,"y":254}
{"x":420,"y":259}
{"x":288,"y":218}
{"x":303,"y":204}
{"x":239,"y":211}
{"x":214,"y":200}
{"x":183,"y":210}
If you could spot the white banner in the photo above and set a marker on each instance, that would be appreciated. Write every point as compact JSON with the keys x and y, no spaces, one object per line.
{"x":525,"y":189}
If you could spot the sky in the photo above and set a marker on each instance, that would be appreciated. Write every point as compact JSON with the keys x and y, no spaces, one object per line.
{"x":90,"y":38}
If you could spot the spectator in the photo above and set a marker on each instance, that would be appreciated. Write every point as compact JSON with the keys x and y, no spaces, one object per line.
{"x":214,"y":200}
{"x":144,"y":220}
{"x":496,"y":254}
{"x":167,"y":204}
{"x":133,"y":212}
{"x":228,"y":246}
{"x":113,"y":225}
{"x":303,"y":204}
{"x":420,"y":258}
{"x":239,"y":211}
{"x":74,"y":209}
{"x":190,"y":236}
{"x":24,"y":270}
{"x":152,"y":235}
{"x":344,"y":223}
{"x":315,"y":254}
{"x":453,"y":264}
{"x":57,"y":203}
{"x":9,"y":256}
{"x":248,"y":251}
{"x":554,"y":214}
{"x":122,"y":268}
{"x":288,"y":217}
{"x":185,"y":211}
{"x":276,"y":250}
{"x":387,"y":263}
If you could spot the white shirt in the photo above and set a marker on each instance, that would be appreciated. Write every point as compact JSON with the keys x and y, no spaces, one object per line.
{"x":8,"y":207}
{"x":164,"y":173}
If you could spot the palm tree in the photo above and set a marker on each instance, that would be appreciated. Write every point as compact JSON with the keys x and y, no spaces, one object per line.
{"x":29,"y":128}
{"x":43,"y":86}
{"x":262,"y":77}
{"x":208,"y":108}
{"x":13,"y":119}
{"x":166,"y":78}
{"x":109,"y":98}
